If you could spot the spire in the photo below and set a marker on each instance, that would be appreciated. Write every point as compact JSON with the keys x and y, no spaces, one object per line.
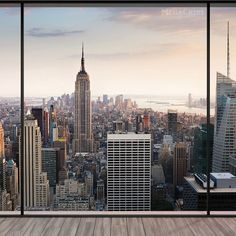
{"x":228,"y":59}
{"x":82,"y":59}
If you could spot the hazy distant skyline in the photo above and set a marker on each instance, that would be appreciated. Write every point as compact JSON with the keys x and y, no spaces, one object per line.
{"x":158,"y":51}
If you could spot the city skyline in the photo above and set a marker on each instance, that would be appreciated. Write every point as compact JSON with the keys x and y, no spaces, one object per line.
{"x":114,"y":45}
{"x":119,"y":153}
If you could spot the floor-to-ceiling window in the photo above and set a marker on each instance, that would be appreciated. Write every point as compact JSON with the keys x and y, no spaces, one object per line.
{"x":9,"y":108}
{"x":115,"y":107}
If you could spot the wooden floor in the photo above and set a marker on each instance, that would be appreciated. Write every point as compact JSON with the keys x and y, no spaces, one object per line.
{"x":117,"y":226}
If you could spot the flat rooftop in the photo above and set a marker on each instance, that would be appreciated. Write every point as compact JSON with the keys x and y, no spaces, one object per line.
{"x":200,"y":189}
{"x":127,"y":136}
{"x":223,"y":175}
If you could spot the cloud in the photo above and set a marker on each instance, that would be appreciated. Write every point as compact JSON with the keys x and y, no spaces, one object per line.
{"x":154,"y":50}
{"x":166,"y":20}
{"x":43,"y":33}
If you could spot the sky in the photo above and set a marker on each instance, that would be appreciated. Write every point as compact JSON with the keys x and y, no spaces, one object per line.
{"x":132,"y":50}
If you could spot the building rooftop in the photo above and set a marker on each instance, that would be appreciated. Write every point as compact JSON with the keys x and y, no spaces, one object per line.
{"x":50,"y":149}
{"x":172,"y":111}
{"x":223,"y":175}
{"x":200,"y":189}
{"x":130,"y":135}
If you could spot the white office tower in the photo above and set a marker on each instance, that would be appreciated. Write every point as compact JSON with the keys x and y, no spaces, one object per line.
{"x":36,"y":184}
{"x":129,"y":172}
{"x":225,"y":136}
{"x":225,"y":120}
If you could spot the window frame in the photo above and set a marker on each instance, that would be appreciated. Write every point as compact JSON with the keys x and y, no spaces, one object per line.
{"x":207,"y":4}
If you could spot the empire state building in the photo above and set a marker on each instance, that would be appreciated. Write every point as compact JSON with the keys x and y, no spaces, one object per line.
{"x":83,"y":141}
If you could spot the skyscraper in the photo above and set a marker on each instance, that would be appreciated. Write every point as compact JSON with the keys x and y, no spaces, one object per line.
{"x":225,"y":122}
{"x":36,"y":185}
{"x":2,"y":153}
{"x":83,"y":141}
{"x":50,"y":164}
{"x":172,"y":123}
{"x":189,"y":100}
{"x":179,"y":164}
{"x":38,"y":114}
{"x":53,"y":132}
{"x":3,"y":192}
{"x":129,"y":172}
{"x":12,"y":182}
{"x":100,"y":190}
{"x":199,"y":161}
{"x":46,"y":125}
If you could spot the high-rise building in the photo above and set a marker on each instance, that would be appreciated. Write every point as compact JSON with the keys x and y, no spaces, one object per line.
{"x":50,"y":165}
{"x":53,"y":132}
{"x":2,"y":160}
{"x":119,"y":101}
{"x":12,"y":182}
{"x":139,"y":123}
{"x":128,"y":172}
{"x":70,"y":196}
{"x":118,"y":126}
{"x":5,"y":204}
{"x":38,"y":114}
{"x":46,"y":125}
{"x":83,"y":141}
{"x":89,"y":184}
{"x":105,"y":99}
{"x":199,"y":160}
{"x":224,"y":140}
{"x":146,"y":122}
{"x":179,"y":164}
{"x":14,"y":133}
{"x":189,"y":100}
{"x":36,"y":184}
{"x":100,"y":190}
{"x":222,"y":188}
{"x":232,"y":165}
{"x":61,"y":145}
{"x":225,"y":128}
{"x":172,"y":123}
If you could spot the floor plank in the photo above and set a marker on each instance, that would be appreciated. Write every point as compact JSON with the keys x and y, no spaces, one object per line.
{"x":119,"y":227}
{"x":37,"y":226}
{"x":183,"y":226}
{"x":135,"y":227}
{"x":199,"y":227}
{"x":20,"y":227}
{"x":218,"y":228}
{"x":6,"y":225}
{"x":2,"y":219}
{"x":229,"y":223}
{"x":86,"y":226}
{"x":70,"y":227}
{"x":53,"y":227}
{"x":103,"y":227}
{"x":165,"y":226}
{"x":150,"y":226}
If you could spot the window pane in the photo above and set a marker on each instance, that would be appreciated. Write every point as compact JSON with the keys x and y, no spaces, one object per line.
{"x":115,"y":108}
{"x":9,"y":108}
{"x":223,"y":44}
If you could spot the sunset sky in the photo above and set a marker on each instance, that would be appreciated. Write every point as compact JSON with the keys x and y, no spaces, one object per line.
{"x":155,"y":51}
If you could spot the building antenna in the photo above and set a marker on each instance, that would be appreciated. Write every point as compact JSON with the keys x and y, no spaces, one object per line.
{"x":228,"y":58}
